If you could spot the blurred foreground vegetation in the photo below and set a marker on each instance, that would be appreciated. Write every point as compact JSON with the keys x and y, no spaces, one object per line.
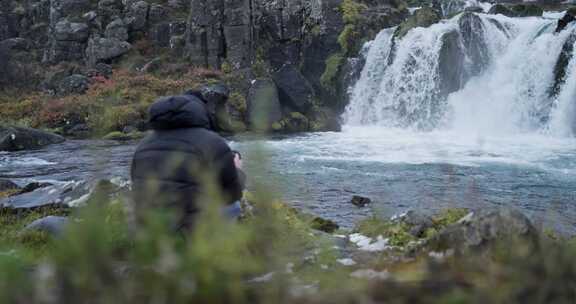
{"x":271,"y":256}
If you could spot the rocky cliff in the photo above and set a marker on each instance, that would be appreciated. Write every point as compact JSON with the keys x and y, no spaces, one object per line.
{"x":60,"y":46}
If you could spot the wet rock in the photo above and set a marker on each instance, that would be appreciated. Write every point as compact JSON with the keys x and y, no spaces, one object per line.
{"x":324,"y":225}
{"x":295,"y":91}
{"x":500,"y":9}
{"x":526,"y":10}
{"x":16,"y":139}
{"x":71,"y":31}
{"x":561,"y":67}
{"x":472,"y":32}
{"x":474,"y":9}
{"x":105,"y":49}
{"x":33,"y":187}
{"x":52,"y":225}
{"x":72,"y":194}
{"x":117,"y":30}
{"x":292,"y":123}
{"x":74,"y":84}
{"x":8,"y":185}
{"x":423,"y":17}
{"x":569,"y":17}
{"x":78,"y":131}
{"x":263,"y":105}
{"x":360,"y":201}
{"x":451,"y":64}
{"x":480,"y":230}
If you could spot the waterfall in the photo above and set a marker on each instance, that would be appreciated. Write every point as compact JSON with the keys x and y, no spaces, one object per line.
{"x":475,"y":73}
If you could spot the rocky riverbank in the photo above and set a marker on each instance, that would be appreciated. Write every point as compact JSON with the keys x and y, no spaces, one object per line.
{"x":494,"y":255}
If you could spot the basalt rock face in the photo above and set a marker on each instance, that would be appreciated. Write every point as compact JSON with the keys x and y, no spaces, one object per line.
{"x":247,"y":39}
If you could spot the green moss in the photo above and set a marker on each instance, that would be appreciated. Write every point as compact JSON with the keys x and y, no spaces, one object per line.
{"x":351,"y":11}
{"x":398,"y":233}
{"x":448,"y":217}
{"x":423,"y":17}
{"x":329,"y":78}
{"x":348,"y":39}
{"x":226,"y":67}
{"x":120,"y":136}
{"x":238,"y":102}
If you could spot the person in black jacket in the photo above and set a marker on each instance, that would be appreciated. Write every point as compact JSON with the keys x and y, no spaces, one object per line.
{"x":170,"y":166}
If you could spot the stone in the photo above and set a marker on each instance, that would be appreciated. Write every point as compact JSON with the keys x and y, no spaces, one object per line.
{"x":137,"y":15}
{"x":423,"y":17}
{"x":324,"y":225}
{"x":63,"y":195}
{"x":71,"y":31}
{"x":294,"y":90}
{"x":417,"y":221}
{"x":157,"y":13}
{"x":16,"y":139}
{"x":105,"y":49}
{"x":500,"y":9}
{"x":292,"y":123}
{"x":472,"y":33}
{"x":562,"y":63}
{"x":33,"y":187}
{"x":480,"y":230}
{"x":569,"y":17}
{"x":451,"y":64}
{"x":59,"y":51}
{"x":8,"y":185}
{"x":74,"y":84}
{"x":360,"y":201}
{"x":474,"y":9}
{"x":526,"y":10}
{"x":117,"y":30}
{"x":263,"y":104}
{"x":216,"y":93}
{"x":54,"y":226}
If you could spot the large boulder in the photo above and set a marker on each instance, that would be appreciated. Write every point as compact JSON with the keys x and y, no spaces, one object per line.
{"x":423,"y":17}
{"x":106,"y":49}
{"x":54,"y":226}
{"x":73,"y":84}
{"x":117,"y":30}
{"x":263,"y":105}
{"x":500,"y":9}
{"x":451,"y":64}
{"x":137,"y":15}
{"x":71,"y":31}
{"x":480,"y":230}
{"x":472,"y":32}
{"x":295,"y":91}
{"x":16,"y":139}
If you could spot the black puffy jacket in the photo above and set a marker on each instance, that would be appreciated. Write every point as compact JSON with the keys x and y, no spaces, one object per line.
{"x":170,"y":166}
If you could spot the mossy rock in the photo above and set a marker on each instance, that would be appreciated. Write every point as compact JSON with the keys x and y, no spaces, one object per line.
{"x":120,"y":136}
{"x":324,"y":225}
{"x":526,"y":10}
{"x":423,"y":17}
{"x":293,"y":123}
{"x":500,"y":9}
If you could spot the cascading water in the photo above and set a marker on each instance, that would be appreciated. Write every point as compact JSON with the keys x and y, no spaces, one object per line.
{"x":477,"y":74}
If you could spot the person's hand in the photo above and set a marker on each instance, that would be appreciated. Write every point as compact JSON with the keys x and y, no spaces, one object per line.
{"x":237,"y":161}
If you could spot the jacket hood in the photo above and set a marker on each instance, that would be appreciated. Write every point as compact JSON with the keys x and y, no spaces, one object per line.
{"x":178,"y":112}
